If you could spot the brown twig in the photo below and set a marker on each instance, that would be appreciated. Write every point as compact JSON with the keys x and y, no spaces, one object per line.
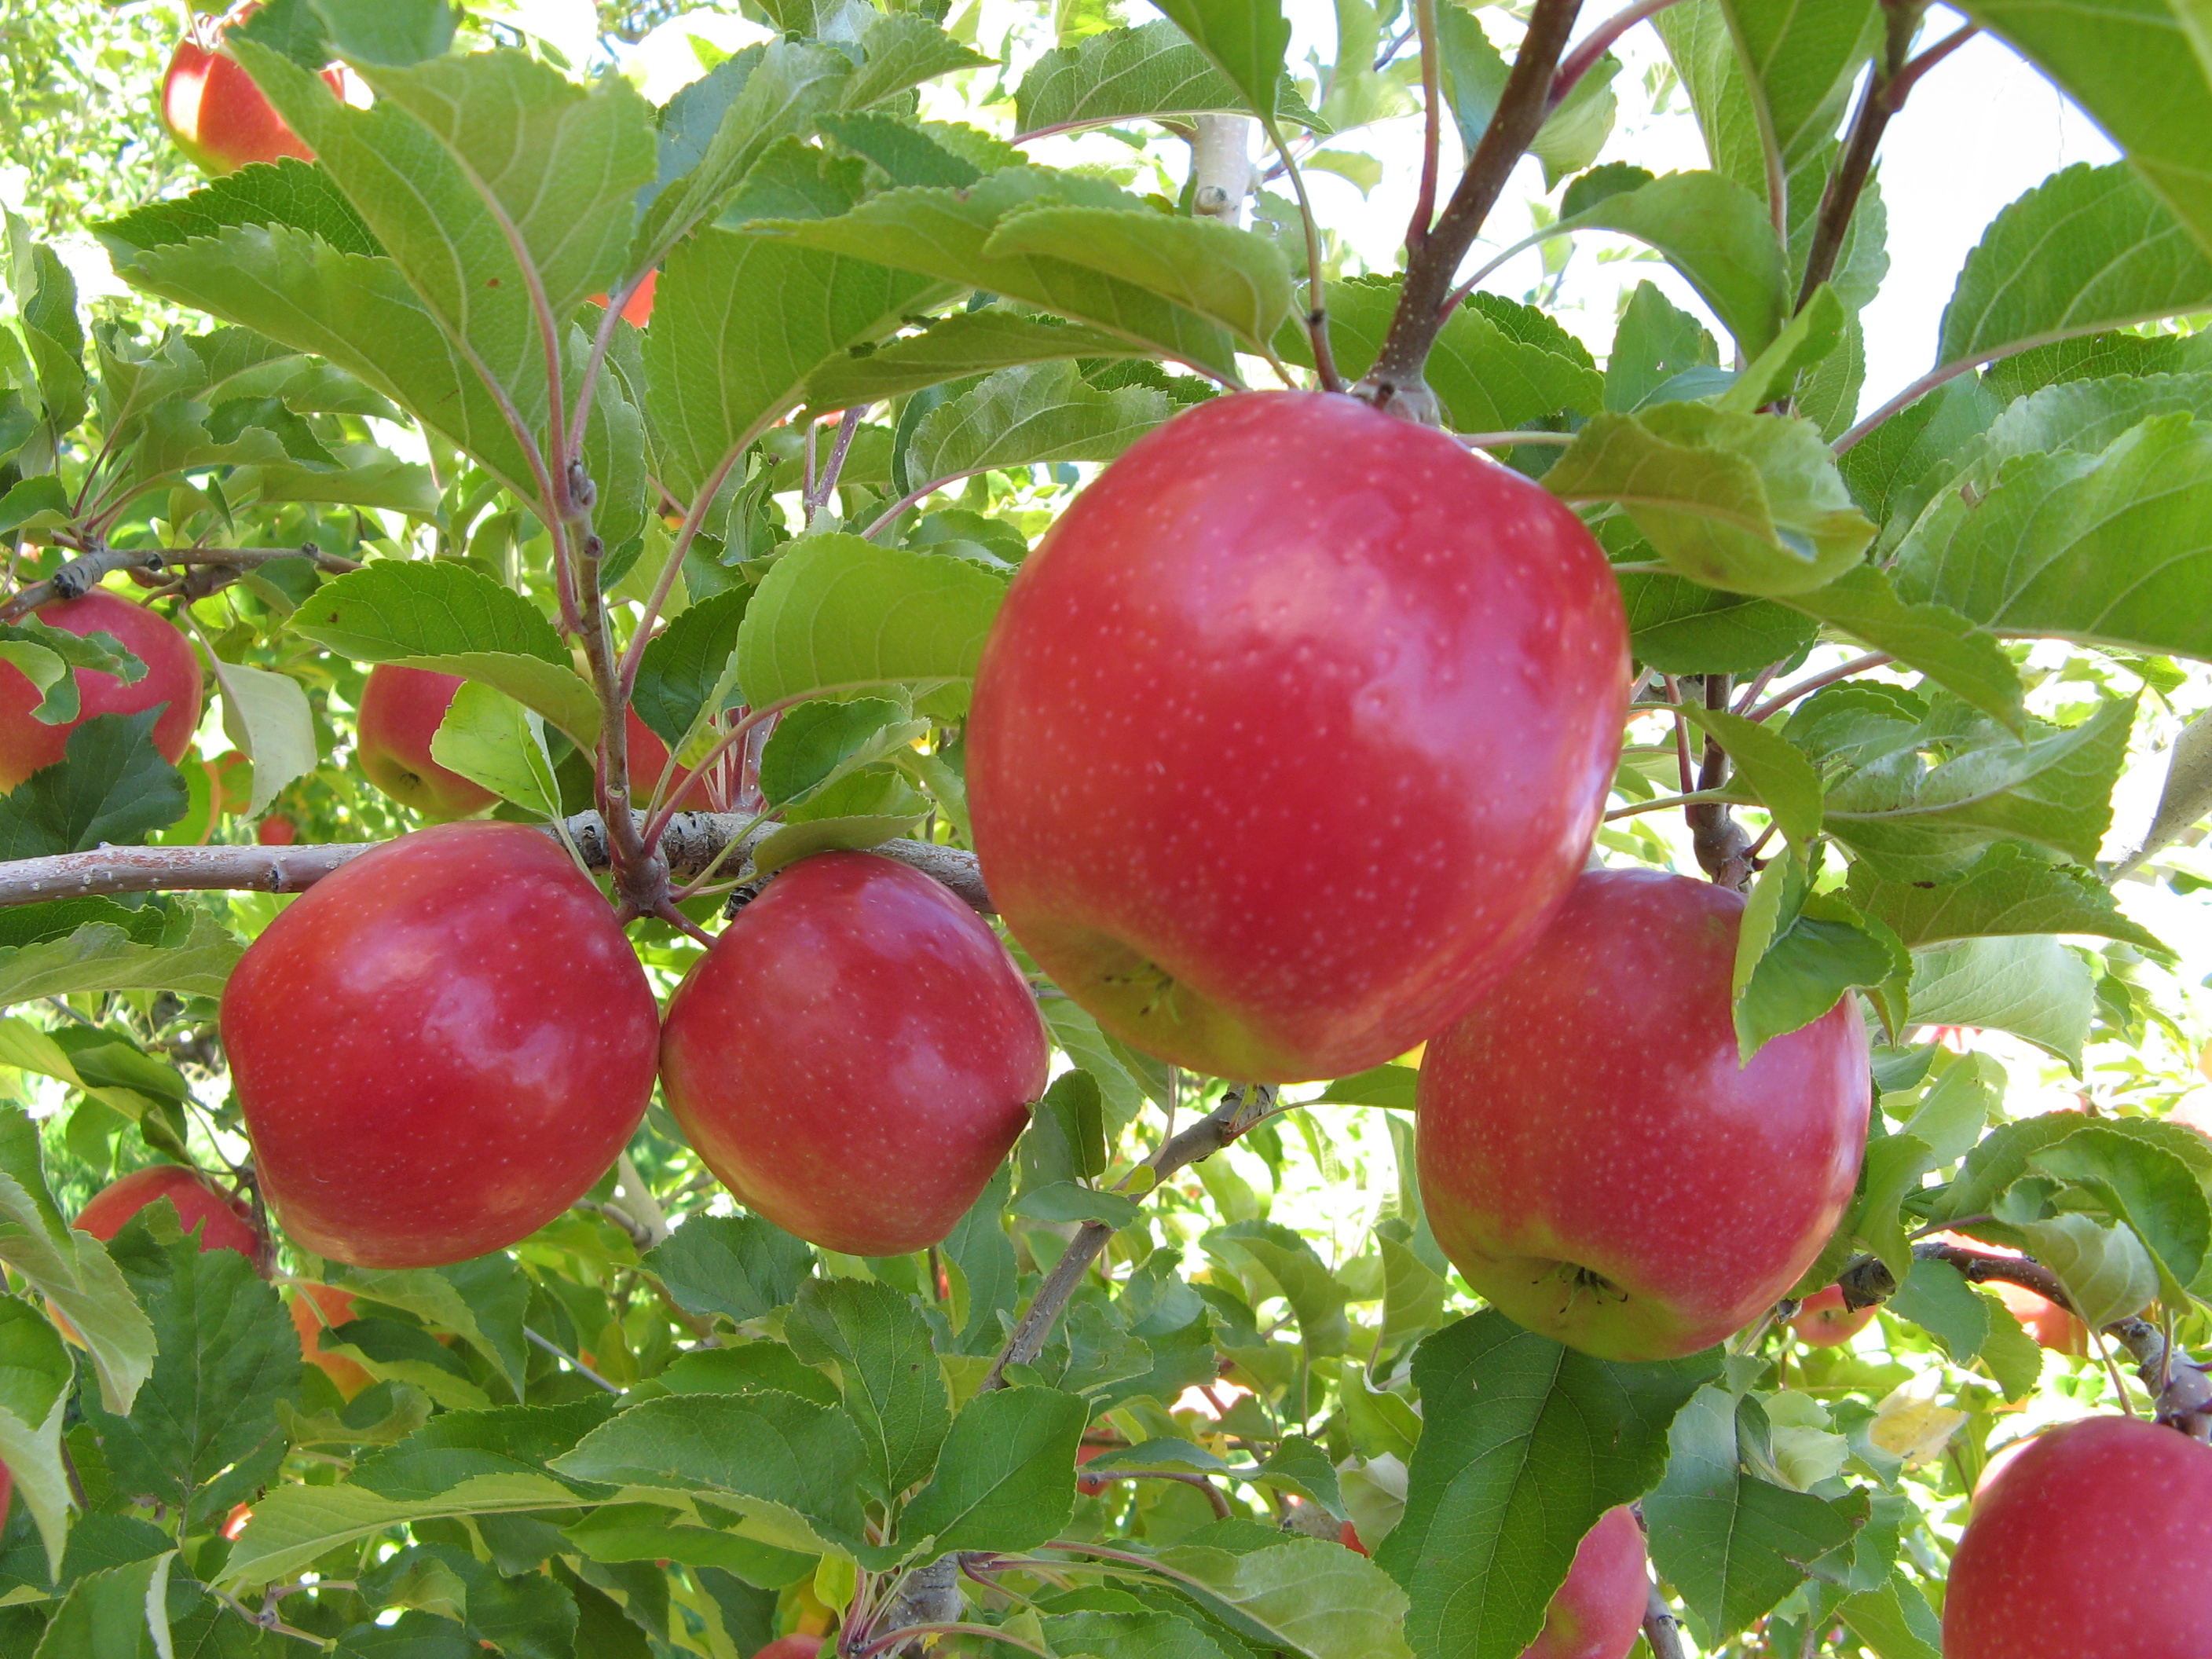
{"x":1660,"y":1628}
{"x":691,"y":842}
{"x":1396,"y":383}
{"x":83,"y":572}
{"x":1723,"y":845}
{"x":1585,"y":56}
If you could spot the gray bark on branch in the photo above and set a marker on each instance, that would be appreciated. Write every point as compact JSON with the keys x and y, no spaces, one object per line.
{"x":83,"y":572}
{"x":693,"y":841}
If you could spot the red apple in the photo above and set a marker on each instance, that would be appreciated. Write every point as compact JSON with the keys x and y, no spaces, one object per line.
{"x":2096,"y":1538}
{"x":225,"y":1223}
{"x":276,"y":831}
{"x":438,"y":1047}
{"x":1350,"y":1539}
{"x":315,"y":1309}
{"x":1091,"y":1485}
{"x":1292,"y":733}
{"x":1823,"y":1320}
{"x":637,"y":310}
{"x":400,"y":709}
{"x":648,"y":756}
{"x":172,"y":683}
{"x":1593,"y":1157}
{"x":218,"y":117}
{"x":234,"y":1523}
{"x":792,"y":1647}
{"x":855,"y":1055}
{"x":6,"y":1492}
{"x":1598,"y":1612}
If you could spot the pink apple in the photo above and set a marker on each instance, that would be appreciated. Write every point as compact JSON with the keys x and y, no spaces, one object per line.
{"x":855,"y":1055}
{"x":440,"y":1047}
{"x":224,"y":1223}
{"x":1823,"y":1320}
{"x":400,"y":709}
{"x":1598,"y":1612}
{"x":1292,"y":733}
{"x":1594,"y":1157}
{"x":172,"y":683}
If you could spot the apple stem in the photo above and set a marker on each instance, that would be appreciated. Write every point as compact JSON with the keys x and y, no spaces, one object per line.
{"x":1662,"y":1629}
{"x":1242,"y":1108}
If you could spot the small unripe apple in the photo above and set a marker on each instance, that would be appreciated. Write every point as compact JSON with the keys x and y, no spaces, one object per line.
{"x":1823,"y":1320}
{"x":1598,"y":1612}
{"x":225,"y":1223}
{"x":400,"y":709}
{"x":218,"y":117}
{"x":438,"y":1047}
{"x":315,"y":1309}
{"x":855,"y":1055}
{"x":1292,"y":733}
{"x":172,"y":681}
{"x":1594,"y":1158}
{"x":2096,"y":1539}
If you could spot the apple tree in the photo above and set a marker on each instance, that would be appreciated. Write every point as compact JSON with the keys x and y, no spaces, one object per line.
{"x":853,"y":866}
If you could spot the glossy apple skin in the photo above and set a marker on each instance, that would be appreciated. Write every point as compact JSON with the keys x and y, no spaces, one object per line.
{"x":1823,"y":1320}
{"x":225,"y":1223}
{"x":438,"y":1047}
{"x":172,"y":679}
{"x":855,"y":1056}
{"x":1594,"y":1159}
{"x":400,"y":709}
{"x":315,"y":1309}
{"x":1292,"y":734}
{"x":2097,"y":1537}
{"x":219,"y":117}
{"x":1598,"y":1612}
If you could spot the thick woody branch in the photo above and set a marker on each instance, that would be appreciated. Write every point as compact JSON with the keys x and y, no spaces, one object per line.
{"x":1242,"y":1109}
{"x":83,"y":572}
{"x":1396,"y":382}
{"x":693,"y":841}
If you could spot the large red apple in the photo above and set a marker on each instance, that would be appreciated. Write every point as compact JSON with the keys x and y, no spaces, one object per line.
{"x":172,"y":683}
{"x":1592,"y":1155}
{"x":1823,"y":1320}
{"x":225,"y":1223}
{"x":2096,"y":1539}
{"x":438,"y":1047}
{"x":855,"y":1055}
{"x":400,"y":709}
{"x":1292,"y":732}
{"x":218,"y":117}
{"x":1598,"y":1612}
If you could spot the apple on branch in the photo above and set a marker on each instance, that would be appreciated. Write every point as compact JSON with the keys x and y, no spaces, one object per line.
{"x":217,"y":115}
{"x":171,"y":683}
{"x":1595,"y":1158}
{"x":1292,"y":733}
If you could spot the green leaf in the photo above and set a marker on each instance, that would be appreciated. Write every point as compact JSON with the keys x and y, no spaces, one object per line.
{"x":35,"y":1380}
{"x":943,"y":233}
{"x":1524,"y":1445}
{"x":490,"y":738}
{"x":877,"y":1343}
{"x":530,"y":1616}
{"x":687,"y":662}
{"x":120,"y":1614}
{"x":443,"y":615}
{"x":482,"y":1301}
{"x":1656,"y":343}
{"x":1303,"y":1596}
{"x":1005,"y":1478}
{"x":202,"y":1435}
{"x":1147,"y":1634}
{"x":1950,"y":1116}
{"x":1027,"y":415}
{"x":837,"y":612}
{"x":796,"y":1466}
{"x":2031,"y":986}
{"x":952,"y":349}
{"x":738,"y":1267}
{"x":1235,"y":278}
{"x":294,"y":194}
{"x":191,"y":954}
{"x":45,"y":654}
{"x":1247,"y":39}
{"x":293,"y":1525}
{"x":1808,"y":338}
{"x":817,"y":743}
{"x":267,"y":717}
{"x":854,"y":834}
{"x":2149,"y":1188}
{"x":1067,"y":1200}
{"x":1299,"y":1466}
{"x":1894,"y":1622}
{"x":1495,"y":366}
{"x":1272,"y":1258}
{"x":2107,"y":1273}
{"x":1798,"y":63}
{"x":71,"y":1270}
{"x":1679,"y":626}
{"x":905,"y":153}
{"x":2090,"y":248}
{"x":979,"y":1268}
{"x":739,"y":322}
{"x":2008,"y":890}
{"x":1751,"y":504}
{"x":45,"y":297}
{"x":899,"y":51}
{"x":1935,"y":1296}
{"x":112,"y":785}
{"x":1931,"y":638}
{"x":1717,"y":234}
{"x":1152,"y":69}
{"x":1783,"y":779}
{"x":2109,"y":549}
{"x":1731,"y":1544}
{"x":1894,"y":1166}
